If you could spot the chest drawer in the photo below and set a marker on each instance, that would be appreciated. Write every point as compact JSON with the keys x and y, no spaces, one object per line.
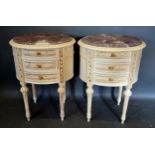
{"x":41,"y":78}
{"x":119,"y":68}
{"x":112,"y":55}
{"x":40,"y":66}
{"x":110,"y":80}
{"x":41,"y":53}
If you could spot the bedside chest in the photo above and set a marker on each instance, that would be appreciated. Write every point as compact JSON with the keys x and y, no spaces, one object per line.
{"x":43,"y":58}
{"x":112,"y":61}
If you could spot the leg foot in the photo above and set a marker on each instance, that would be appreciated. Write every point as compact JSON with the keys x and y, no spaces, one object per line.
{"x":89,"y":92}
{"x":122,"y":121}
{"x":88,"y":119}
{"x":28,"y":119}
{"x":61,"y":91}
{"x":34,"y":100}
{"x":127,"y":94}
{"x":62,"y":119}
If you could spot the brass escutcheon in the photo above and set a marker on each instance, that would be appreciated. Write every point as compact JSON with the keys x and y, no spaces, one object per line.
{"x":111,"y":79}
{"x":39,"y":66}
{"x":38,"y":53}
{"x":113,"y":55}
{"x":41,"y":77}
{"x":111,"y":67}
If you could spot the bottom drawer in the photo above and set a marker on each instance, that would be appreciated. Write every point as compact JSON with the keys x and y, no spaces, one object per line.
{"x":38,"y":78}
{"x":110,"y":80}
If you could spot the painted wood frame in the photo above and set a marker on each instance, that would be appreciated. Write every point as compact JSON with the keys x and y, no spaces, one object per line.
{"x":110,"y":67}
{"x":43,"y":64}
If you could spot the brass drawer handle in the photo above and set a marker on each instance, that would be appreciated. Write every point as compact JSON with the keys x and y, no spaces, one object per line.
{"x":39,"y":66}
{"x":111,"y":79}
{"x":113,"y":55}
{"x":38,"y":53}
{"x":41,"y":77}
{"x":111,"y":67}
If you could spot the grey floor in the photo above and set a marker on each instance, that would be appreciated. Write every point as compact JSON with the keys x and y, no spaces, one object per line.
{"x":45,"y":114}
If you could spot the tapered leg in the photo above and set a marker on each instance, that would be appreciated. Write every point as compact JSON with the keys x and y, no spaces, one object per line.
{"x":127,"y":94}
{"x":61,"y":91}
{"x":24,"y":91}
{"x":64,"y":92}
{"x":34,"y":93}
{"x":119,"y":95}
{"x":89,"y":92}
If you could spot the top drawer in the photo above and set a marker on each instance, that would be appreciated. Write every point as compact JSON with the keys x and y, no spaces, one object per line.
{"x":112,"y":55}
{"x":41,"y":53}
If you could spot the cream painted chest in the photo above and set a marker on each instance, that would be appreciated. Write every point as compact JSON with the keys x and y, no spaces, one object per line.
{"x":112,"y":61}
{"x":43,"y":58}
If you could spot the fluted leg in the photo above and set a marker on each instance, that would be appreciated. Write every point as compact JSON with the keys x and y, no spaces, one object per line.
{"x":127,"y":94}
{"x":119,"y":97}
{"x":89,"y":92}
{"x":24,"y":91}
{"x":34,"y":93}
{"x":61,"y":91}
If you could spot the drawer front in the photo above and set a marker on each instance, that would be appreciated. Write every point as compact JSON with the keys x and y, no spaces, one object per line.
{"x":112,"y":55}
{"x":40,"y":66}
{"x":110,"y":80}
{"x":111,"y":68}
{"x":41,"y":53}
{"x":41,"y":78}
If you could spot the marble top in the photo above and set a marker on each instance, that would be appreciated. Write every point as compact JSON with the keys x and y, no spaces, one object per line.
{"x":42,"y":38}
{"x":111,"y":41}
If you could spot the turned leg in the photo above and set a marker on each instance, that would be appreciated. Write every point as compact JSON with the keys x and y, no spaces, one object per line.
{"x":119,"y":95}
{"x":64,"y":92}
{"x":89,"y":92}
{"x":127,"y":94}
{"x":24,"y":91}
{"x":34,"y":93}
{"x":61,"y":91}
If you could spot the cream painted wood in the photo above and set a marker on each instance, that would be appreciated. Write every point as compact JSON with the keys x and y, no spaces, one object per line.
{"x":127,"y":94}
{"x":111,"y":67}
{"x":61,"y":91}
{"x":34,"y":93}
{"x":119,"y":95}
{"x":65,"y":95}
{"x":89,"y":92}
{"x":43,"y":64}
{"x":24,"y":91}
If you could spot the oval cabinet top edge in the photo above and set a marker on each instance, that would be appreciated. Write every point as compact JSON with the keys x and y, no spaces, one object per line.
{"x":111,"y":42}
{"x":42,"y":40}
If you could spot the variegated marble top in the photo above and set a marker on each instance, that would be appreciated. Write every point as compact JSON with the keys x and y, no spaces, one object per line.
{"x":42,"y":38}
{"x":114,"y":41}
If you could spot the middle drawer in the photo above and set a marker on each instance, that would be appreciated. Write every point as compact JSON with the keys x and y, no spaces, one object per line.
{"x":112,"y":68}
{"x":40,"y":65}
